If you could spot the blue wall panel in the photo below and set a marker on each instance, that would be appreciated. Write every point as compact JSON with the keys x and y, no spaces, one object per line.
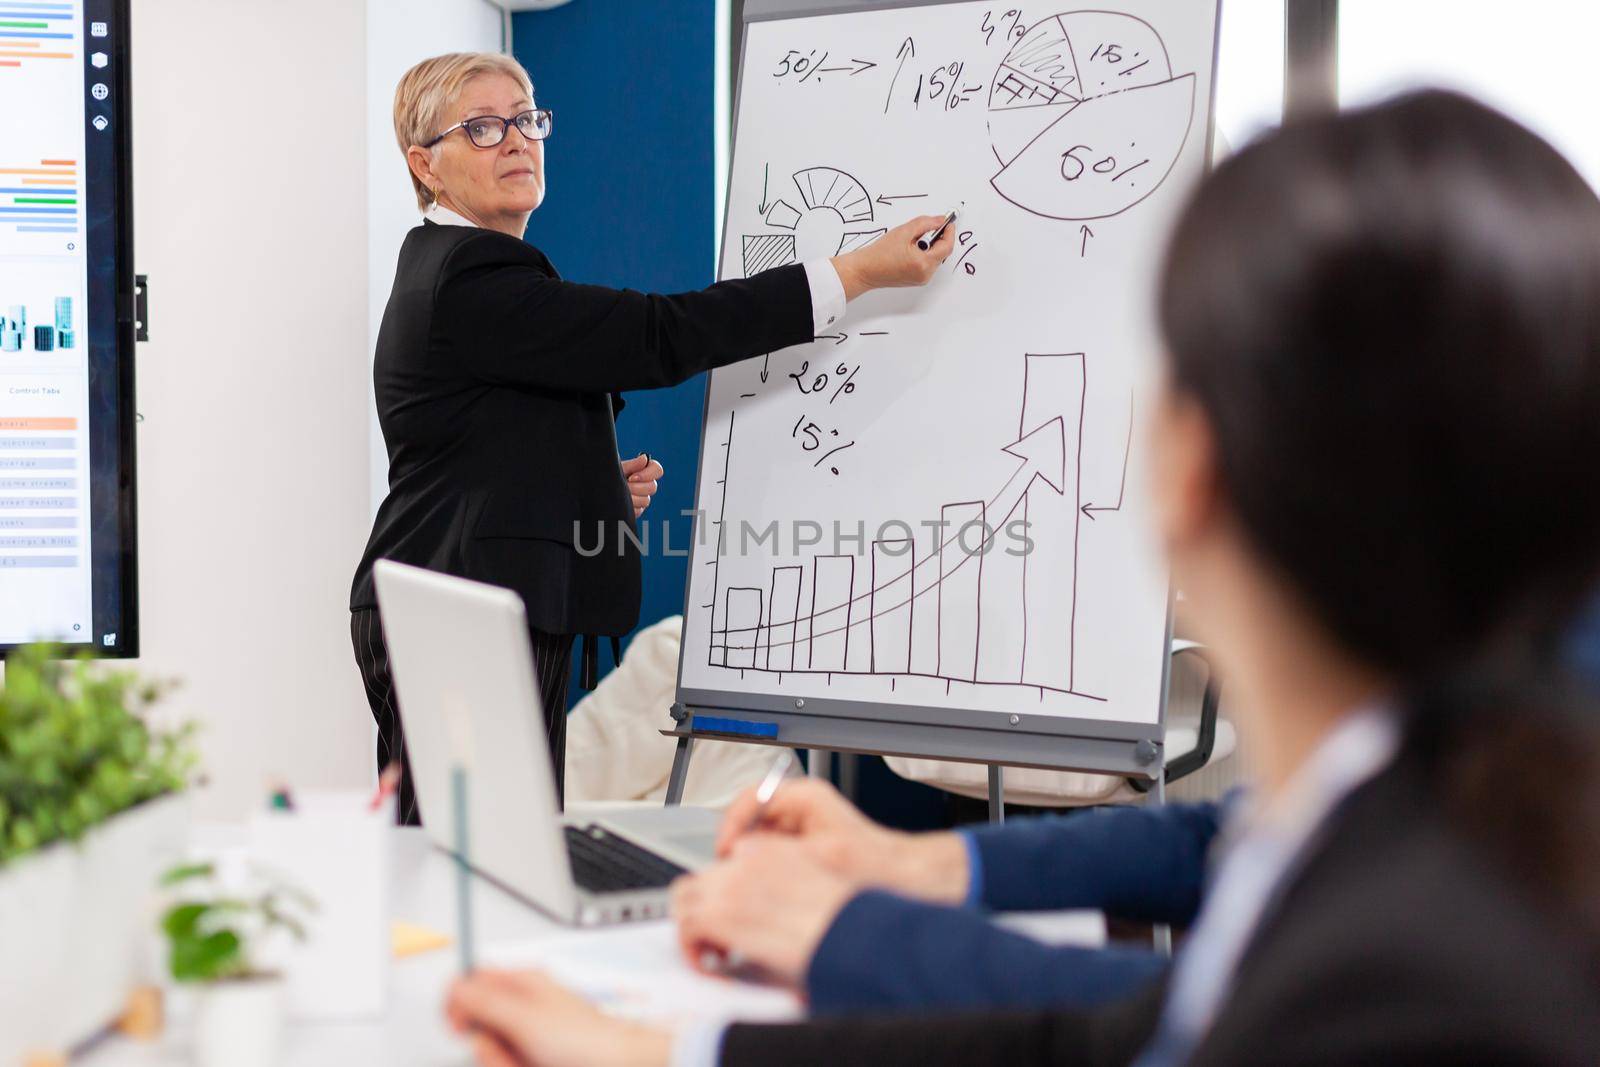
{"x":629,"y":202}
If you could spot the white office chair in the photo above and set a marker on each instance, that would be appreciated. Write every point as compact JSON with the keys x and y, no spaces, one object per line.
{"x":1201,"y":749}
{"x":615,"y":751}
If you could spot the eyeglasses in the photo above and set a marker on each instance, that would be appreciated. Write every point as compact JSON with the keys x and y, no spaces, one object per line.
{"x":486,"y":131}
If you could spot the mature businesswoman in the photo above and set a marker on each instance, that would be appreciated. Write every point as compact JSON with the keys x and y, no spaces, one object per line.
{"x":1384,"y":340}
{"x":496,"y":379}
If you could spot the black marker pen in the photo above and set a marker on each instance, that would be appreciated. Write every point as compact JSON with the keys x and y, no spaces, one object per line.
{"x":927,"y":240}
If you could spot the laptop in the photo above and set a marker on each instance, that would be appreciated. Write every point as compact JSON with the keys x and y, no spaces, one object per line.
{"x":463,"y":672}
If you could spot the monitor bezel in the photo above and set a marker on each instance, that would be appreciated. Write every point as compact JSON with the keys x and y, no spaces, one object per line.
{"x":126,"y":627}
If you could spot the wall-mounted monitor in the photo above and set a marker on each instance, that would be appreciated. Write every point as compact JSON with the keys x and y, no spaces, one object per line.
{"x":68,"y":567}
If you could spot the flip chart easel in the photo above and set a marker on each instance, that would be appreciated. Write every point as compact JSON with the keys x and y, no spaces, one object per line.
{"x":932,"y":422}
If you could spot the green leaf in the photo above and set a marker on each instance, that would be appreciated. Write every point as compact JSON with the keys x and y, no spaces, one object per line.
{"x":74,"y":750}
{"x":206,"y":959}
{"x":182,"y":920}
{"x":185,"y":871}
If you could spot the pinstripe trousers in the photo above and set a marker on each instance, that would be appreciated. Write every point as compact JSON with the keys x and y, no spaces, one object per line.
{"x":552,"y":665}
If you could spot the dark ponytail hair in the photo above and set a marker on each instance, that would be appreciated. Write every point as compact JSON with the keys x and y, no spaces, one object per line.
{"x":1391,"y":318}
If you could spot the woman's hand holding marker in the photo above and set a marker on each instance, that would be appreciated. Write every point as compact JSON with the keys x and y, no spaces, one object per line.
{"x":895,"y":260}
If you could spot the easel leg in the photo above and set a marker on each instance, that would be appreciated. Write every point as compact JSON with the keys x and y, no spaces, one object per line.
{"x":680,"y":771}
{"x":850,"y":776}
{"x":997,"y":793}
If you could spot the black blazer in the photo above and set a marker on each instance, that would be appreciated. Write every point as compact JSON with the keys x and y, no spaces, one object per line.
{"x":1398,"y":943}
{"x":493,"y":379}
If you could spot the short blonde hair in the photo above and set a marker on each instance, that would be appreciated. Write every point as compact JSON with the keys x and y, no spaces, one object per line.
{"x":427,"y":92}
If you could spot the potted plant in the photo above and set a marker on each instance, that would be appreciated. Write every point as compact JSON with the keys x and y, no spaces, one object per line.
{"x":88,"y":817}
{"x":213,"y":938}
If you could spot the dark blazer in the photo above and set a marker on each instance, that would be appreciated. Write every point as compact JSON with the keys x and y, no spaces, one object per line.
{"x":886,"y":953}
{"x":493,"y":385}
{"x":1399,"y":942}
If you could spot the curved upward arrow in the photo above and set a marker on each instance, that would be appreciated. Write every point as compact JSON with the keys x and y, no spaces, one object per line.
{"x":1045,"y":449}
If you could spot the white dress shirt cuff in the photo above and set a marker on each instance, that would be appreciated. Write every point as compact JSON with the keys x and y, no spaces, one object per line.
{"x":827,"y":295}
{"x":698,"y":1044}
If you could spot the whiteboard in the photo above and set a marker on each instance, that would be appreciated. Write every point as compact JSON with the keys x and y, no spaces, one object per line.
{"x":934,"y":513}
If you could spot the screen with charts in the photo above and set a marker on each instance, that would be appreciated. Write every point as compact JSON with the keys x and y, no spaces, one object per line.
{"x":67,"y":568}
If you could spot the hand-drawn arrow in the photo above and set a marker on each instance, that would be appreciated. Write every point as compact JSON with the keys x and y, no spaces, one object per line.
{"x":836,"y":338}
{"x":1043,"y":451}
{"x":886,"y":200}
{"x":861,"y":65}
{"x":763,"y":206}
{"x":1088,"y":509}
{"x":1084,"y":229}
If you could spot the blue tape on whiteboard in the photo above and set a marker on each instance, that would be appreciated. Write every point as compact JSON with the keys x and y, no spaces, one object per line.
{"x":706,"y":724}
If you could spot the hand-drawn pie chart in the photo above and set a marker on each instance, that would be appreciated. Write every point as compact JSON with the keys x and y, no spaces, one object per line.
{"x":1086,"y":117}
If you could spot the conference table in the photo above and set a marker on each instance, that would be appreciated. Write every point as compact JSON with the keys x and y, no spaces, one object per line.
{"x":412,"y":1029}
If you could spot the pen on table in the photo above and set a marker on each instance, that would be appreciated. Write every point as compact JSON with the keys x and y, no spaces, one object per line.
{"x":388,"y":781}
{"x":929,"y":239}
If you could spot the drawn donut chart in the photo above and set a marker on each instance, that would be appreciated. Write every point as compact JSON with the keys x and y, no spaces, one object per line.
{"x":835,"y":213}
{"x":1086,"y":118}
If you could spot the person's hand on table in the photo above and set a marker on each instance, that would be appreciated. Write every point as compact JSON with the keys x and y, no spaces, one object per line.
{"x":526,"y":1019}
{"x":641,"y":473}
{"x":767,"y":905}
{"x":835,"y":834}
{"x":894,"y":260}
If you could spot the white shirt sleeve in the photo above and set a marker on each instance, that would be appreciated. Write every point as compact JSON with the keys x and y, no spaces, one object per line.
{"x":698,"y":1045}
{"x":827,"y":295}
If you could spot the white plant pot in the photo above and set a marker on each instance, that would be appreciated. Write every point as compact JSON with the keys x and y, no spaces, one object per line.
{"x":75,"y":924}
{"x":239,"y":1023}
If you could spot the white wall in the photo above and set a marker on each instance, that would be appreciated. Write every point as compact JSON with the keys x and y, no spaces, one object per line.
{"x":250,"y":218}
{"x":1533,"y":59}
{"x":399,"y":34}
{"x":1249,"y":72}
{"x":269,"y":204}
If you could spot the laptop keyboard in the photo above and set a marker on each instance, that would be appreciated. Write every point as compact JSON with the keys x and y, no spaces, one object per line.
{"x":605,"y":863}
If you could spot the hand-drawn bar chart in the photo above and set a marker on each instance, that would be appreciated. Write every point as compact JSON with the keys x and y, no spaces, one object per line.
{"x":842,"y":615}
